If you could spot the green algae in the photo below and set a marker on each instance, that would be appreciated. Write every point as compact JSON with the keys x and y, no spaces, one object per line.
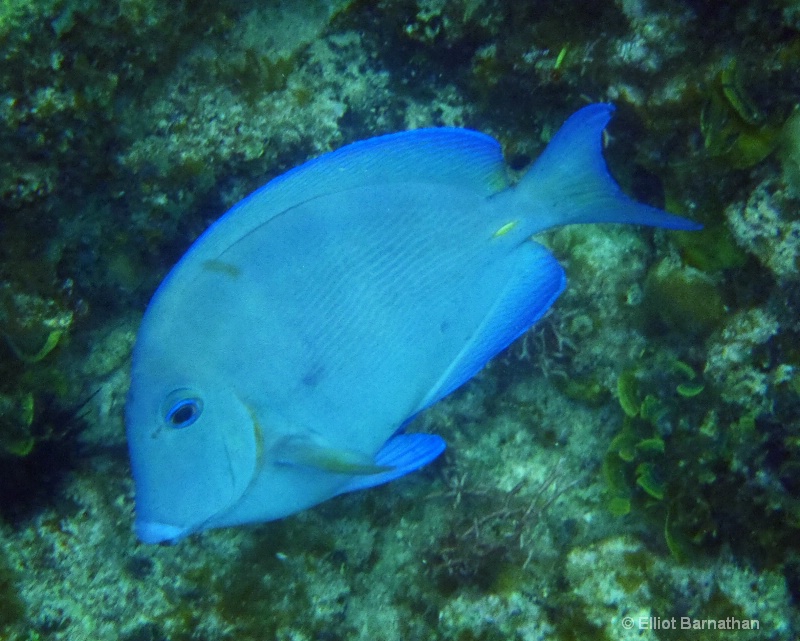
{"x":690,"y":390}
{"x":572,"y":624}
{"x":619,"y":506}
{"x":654,"y":411}
{"x":12,"y":608}
{"x":16,"y":419}
{"x":33,"y":327}
{"x":669,"y":466}
{"x":790,"y":152}
{"x":644,"y":466}
{"x":588,"y":390}
{"x":628,"y":393}
{"x":647,"y":479}
{"x":651,"y":445}
{"x":734,"y":129}
{"x":49,"y":344}
{"x":682,"y":299}
{"x":710,"y":250}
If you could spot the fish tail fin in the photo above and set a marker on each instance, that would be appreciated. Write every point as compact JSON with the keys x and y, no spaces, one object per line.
{"x":570,"y":183}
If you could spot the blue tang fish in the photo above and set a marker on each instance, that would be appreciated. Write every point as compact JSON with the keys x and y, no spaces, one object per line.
{"x":280,"y":359}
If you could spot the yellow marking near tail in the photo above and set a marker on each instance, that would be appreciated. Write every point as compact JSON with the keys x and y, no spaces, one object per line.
{"x":505,"y":229}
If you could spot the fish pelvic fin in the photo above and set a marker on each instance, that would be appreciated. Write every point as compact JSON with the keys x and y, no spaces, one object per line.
{"x":306,"y":451}
{"x":570,"y":183}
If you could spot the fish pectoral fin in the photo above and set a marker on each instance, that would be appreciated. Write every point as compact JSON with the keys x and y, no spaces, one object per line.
{"x":309,"y":452}
{"x":399,"y":456}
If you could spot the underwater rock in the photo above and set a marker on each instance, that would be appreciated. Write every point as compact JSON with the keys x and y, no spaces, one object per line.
{"x":626,"y":591}
{"x":766,"y":225}
{"x":735,"y":363}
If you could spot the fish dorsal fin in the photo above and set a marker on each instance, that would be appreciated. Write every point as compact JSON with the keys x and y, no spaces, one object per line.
{"x":445,"y":155}
{"x":442,"y":155}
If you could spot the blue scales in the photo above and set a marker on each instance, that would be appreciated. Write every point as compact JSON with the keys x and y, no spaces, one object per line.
{"x":280,"y":357}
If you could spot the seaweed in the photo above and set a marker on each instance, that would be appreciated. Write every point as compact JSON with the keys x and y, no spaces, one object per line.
{"x":12,"y":608}
{"x":490,"y":531}
{"x":34,"y":473}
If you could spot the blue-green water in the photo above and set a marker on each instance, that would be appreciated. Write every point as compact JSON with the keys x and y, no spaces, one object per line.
{"x":629,"y":464}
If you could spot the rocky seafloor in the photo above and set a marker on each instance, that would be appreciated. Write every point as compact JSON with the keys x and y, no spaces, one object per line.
{"x":628,"y":466}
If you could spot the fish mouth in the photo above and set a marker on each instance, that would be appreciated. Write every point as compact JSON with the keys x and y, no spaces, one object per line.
{"x":154,"y":532}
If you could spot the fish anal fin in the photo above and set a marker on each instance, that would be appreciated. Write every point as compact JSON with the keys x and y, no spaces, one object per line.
{"x":534,"y":281}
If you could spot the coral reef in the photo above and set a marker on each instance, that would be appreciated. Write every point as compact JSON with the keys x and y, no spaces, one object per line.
{"x":767,"y":227}
{"x":636,"y":454}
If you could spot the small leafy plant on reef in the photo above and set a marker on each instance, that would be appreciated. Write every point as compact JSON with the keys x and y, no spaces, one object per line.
{"x":490,"y":529}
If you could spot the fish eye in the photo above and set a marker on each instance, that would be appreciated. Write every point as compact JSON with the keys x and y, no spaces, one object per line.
{"x":184,"y":412}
